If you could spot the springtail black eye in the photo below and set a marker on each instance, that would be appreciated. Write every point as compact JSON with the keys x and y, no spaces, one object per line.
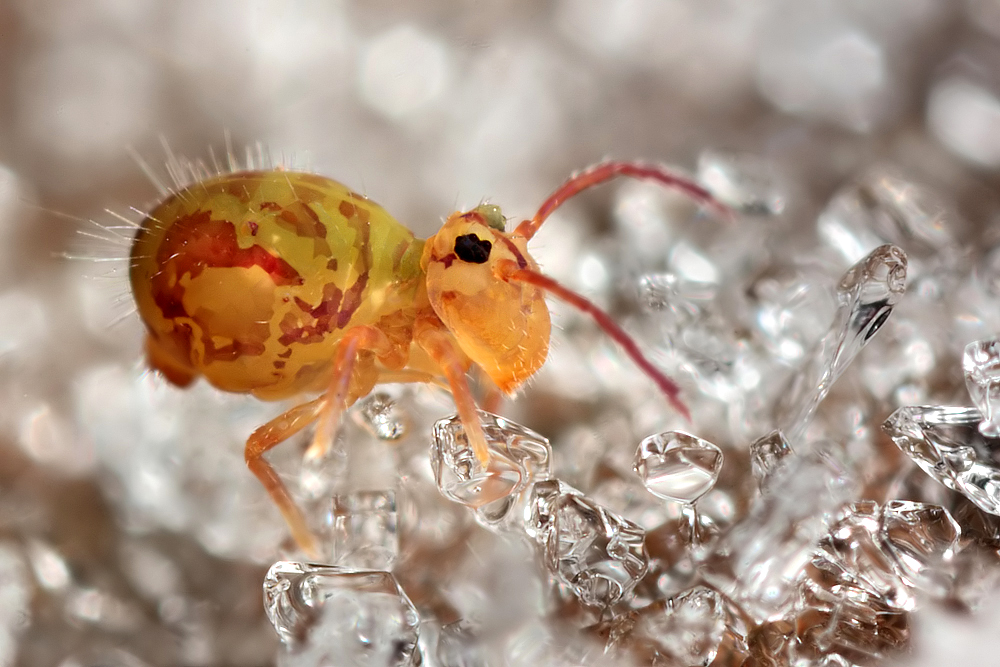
{"x":471,"y":248}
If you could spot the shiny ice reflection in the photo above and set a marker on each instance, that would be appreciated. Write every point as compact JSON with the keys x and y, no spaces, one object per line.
{"x":518,"y":457}
{"x":759,"y":561}
{"x":867,"y":294}
{"x":599,"y":555}
{"x":381,"y":416}
{"x":947,"y":444}
{"x":332,"y":615}
{"x":678,"y":466}
{"x":981,"y":364}
{"x":767,"y":454}
{"x":365,"y":534}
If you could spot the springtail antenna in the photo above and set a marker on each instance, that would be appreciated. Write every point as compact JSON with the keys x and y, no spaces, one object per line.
{"x":605,"y":171}
{"x":588,"y":178}
{"x":510,"y":271}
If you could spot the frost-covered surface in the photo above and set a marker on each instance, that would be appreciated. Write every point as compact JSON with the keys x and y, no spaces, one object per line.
{"x":862,"y":135}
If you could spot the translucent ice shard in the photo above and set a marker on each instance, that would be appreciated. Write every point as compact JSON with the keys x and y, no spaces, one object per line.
{"x":379,"y":414}
{"x":745,"y":182}
{"x":518,"y":457}
{"x":364,"y":530}
{"x":329,"y":615}
{"x":899,"y":368}
{"x":687,"y":628}
{"x":457,"y":647}
{"x":946,"y":443}
{"x":922,"y":540}
{"x":598,"y":554}
{"x":681,"y":299}
{"x":867,"y":294}
{"x":699,"y":339}
{"x":981,"y":364}
{"x":678,"y":466}
{"x":883,"y":206}
{"x":842,"y":625}
{"x":766,"y":455}
{"x":759,"y":561}
{"x":865,"y":575}
{"x":853,"y":565}
{"x":792,"y":308}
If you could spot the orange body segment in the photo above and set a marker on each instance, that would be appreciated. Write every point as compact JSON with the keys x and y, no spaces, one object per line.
{"x":503,"y":326}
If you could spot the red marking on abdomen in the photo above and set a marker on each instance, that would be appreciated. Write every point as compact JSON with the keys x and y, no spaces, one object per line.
{"x":323,"y":315}
{"x":196,"y":242}
{"x":337,"y":306}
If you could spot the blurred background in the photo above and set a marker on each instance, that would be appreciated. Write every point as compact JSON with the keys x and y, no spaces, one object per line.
{"x":425,"y":107}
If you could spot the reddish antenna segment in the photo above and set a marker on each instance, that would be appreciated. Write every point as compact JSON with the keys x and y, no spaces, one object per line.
{"x":605,"y":171}
{"x":667,"y":386}
{"x":588,"y":178}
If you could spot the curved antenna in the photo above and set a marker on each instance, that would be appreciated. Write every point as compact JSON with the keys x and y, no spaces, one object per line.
{"x":605,"y":171}
{"x":509,"y":270}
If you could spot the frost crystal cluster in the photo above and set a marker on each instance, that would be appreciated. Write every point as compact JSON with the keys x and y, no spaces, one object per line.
{"x":788,"y":532}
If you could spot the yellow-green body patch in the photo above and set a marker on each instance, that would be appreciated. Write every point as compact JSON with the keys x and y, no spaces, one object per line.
{"x":251,"y":279}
